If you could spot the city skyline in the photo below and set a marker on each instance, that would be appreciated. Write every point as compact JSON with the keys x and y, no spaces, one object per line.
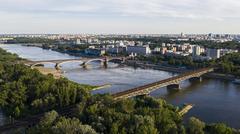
{"x":120,"y":17}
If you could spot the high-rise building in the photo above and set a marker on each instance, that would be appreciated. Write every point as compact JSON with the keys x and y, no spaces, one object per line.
{"x":78,"y":41}
{"x":141,"y":50}
{"x":213,"y":53}
{"x":196,"y":50}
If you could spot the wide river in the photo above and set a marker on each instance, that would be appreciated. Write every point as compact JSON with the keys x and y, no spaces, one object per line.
{"x":215,"y":100}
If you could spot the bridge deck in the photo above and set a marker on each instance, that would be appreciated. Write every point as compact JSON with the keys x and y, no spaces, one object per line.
{"x":77,"y":59}
{"x":141,"y":88}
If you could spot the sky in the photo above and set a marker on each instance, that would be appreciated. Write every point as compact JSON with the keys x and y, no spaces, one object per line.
{"x":120,"y":16}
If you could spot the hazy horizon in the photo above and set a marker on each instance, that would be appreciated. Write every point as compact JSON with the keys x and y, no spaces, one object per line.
{"x":120,"y":17}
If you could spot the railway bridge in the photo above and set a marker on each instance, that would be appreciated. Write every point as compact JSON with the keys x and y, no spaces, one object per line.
{"x":170,"y":83}
{"x":83,"y":61}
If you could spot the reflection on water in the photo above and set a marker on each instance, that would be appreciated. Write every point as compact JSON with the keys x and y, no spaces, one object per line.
{"x":215,"y":100}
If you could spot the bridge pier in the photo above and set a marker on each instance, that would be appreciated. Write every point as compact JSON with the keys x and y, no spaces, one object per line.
{"x":84,"y":65}
{"x":123,"y":60}
{"x":174,"y":87}
{"x":195,"y":79}
{"x":57,"y":66}
{"x":105,"y":63}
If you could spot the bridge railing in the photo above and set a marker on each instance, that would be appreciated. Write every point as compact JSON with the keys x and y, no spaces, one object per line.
{"x":137,"y":89}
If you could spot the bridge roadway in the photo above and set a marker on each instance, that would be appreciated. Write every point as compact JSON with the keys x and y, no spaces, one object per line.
{"x":83,"y":61}
{"x":173,"y":82}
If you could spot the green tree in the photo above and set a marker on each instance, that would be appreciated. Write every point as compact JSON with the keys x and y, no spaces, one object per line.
{"x":220,"y":128}
{"x":71,"y":126}
{"x":195,"y":126}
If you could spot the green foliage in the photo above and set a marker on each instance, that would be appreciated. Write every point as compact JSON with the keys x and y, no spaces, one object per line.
{"x":71,"y":126}
{"x":140,"y":115}
{"x":219,"y":129}
{"x":195,"y":126}
{"x":31,"y":40}
{"x":51,"y":123}
{"x":25,"y":91}
{"x":178,"y":61}
{"x":229,"y":63}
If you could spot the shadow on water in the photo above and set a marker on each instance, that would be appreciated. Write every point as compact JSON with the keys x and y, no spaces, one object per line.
{"x":186,"y":87}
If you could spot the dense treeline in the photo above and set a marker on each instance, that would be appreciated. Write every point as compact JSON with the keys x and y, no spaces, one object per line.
{"x":27,"y":91}
{"x":229,"y":63}
{"x":70,"y":48}
{"x":212,"y":44}
{"x":179,"y":61}
{"x":32,"y":40}
{"x":157,"y":41}
{"x":204,"y":43}
{"x":52,"y":123}
{"x":141,"y":115}
{"x":24,"y":91}
{"x":154,"y":42}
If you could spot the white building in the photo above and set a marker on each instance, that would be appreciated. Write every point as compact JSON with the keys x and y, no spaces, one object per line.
{"x":157,"y":49}
{"x":78,"y":42}
{"x":196,"y":50}
{"x":141,"y":50}
{"x":213,"y":53}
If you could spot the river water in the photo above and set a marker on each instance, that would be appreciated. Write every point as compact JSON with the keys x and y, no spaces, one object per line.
{"x":215,"y":100}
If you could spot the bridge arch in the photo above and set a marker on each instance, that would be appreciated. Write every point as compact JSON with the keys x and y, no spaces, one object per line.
{"x":87,"y":62}
{"x":39,"y":63}
{"x":58,"y":65}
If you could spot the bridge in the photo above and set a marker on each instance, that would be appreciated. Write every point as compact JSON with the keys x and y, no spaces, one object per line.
{"x":170,"y":83}
{"x":83,"y":61}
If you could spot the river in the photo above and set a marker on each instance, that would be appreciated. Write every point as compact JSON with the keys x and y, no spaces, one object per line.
{"x":215,"y":100}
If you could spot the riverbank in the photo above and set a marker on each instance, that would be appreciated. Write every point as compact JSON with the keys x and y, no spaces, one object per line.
{"x":57,"y":74}
{"x":156,"y":67}
{"x":185,"y":109}
{"x":213,"y":75}
{"x":228,"y":77}
{"x":101,"y":87}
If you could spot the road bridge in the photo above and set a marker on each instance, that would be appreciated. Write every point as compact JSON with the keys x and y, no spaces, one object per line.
{"x":82,"y":61}
{"x":170,"y":83}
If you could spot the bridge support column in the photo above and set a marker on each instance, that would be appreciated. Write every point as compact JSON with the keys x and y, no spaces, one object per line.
{"x":84,"y":65}
{"x":195,"y":79}
{"x":174,"y":87}
{"x":57,"y":66}
{"x":123,"y":60}
{"x":105,"y":63}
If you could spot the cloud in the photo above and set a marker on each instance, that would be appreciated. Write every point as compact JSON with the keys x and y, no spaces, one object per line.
{"x":215,"y":9}
{"x":121,"y":13}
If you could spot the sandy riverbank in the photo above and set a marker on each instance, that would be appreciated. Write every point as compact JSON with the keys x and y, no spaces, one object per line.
{"x":56,"y":73}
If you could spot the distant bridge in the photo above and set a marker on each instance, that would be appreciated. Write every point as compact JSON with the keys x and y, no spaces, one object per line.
{"x":83,"y":61}
{"x":170,"y":83}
